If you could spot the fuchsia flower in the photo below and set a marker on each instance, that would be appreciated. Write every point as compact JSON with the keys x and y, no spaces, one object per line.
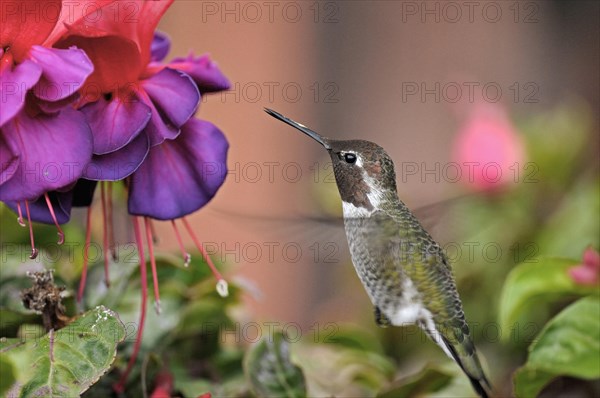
{"x":124,"y":116}
{"x":488,"y":148}
{"x":588,"y":272}
{"x":44,"y":143}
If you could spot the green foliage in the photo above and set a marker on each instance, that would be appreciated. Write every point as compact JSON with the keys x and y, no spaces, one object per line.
{"x":350,"y":363}
{"x":270,"y":370}
{"x":532,"y":284}
{"x":429,"y":379}
{"x":568,"y":345}
{"x":7,"y":375}
{"x":541,"y":225}
{"x":67,"y":362}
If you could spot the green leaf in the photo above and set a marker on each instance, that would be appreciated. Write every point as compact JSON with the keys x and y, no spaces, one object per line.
{"x":548,"y":279}
{"x":7,"y":375}
{"x":426,"y":381}
{"x":67,"y":362}
{"x":568,"y":345}
{"x":270,"y":371}
{"x":338,"y":370}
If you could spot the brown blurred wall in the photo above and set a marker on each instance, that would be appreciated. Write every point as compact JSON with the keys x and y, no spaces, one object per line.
{"x":352,"y":62}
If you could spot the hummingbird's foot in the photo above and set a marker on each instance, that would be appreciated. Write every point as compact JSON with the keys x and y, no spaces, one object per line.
{"x":381,"y":320}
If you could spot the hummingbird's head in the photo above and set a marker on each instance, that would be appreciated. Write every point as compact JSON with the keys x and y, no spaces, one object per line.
{"x":364,"y":172}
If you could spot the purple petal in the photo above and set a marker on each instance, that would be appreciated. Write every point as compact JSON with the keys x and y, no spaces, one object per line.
{"x":55,"y":106}
{"x":174,"y":94}
{"x":158,"y":128}
{"x":63,"y":71}
{"x":14,"y":84}
{"x":206,"y":73}
{"x":8,"y":161}
{"x":180,"y":176}
{"x":115,"y":122}
{"x":53,"y":151}
{"x":119,"y":164}
{"x":160,"y":47}
{"x":39,"y":212}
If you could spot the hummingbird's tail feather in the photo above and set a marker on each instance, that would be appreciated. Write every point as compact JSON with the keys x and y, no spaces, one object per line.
{"x":470,"y":365}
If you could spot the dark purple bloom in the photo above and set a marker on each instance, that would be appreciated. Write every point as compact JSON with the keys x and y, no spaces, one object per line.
{"x":47,"y":153}
{"x":160,"y":47}
{"x":14,"y":84}
{"x":39,"y":211}
{"x":204,"y":71}
{"x":52,"y":74}
{"x":180,"y":176}
{"x":149,"y":102}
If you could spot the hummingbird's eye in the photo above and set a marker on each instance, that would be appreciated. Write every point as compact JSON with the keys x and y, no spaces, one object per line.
{"x":350,"y":158}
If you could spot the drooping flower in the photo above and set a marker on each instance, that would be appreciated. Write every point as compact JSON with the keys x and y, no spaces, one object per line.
{"x":28,"y":64}
{"x":488,"y":148}
{"x":128,"y":109}
{"x":145,"y":135}
{"x":44,"y":143}
{"x":588,"y":272}
{"x":130,"y":121}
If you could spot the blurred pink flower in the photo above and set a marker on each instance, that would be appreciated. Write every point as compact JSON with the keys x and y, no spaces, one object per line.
{"x":488,"y":148}
{"x":588,"y":272}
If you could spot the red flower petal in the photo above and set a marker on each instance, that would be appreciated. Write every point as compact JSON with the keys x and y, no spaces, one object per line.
{"x":116,"y":60}
{"x":134,"y":21}
{"x":27,"y":22}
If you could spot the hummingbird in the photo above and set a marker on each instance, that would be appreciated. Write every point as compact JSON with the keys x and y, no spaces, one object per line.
{"x":404,"y":271}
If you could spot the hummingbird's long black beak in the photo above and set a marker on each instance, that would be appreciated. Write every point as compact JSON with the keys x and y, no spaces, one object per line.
{"x":300,"y":127}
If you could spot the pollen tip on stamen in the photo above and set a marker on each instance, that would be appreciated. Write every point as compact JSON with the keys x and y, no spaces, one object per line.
{"x":21,"y":222}
{"x":157,"y":307}
{"x":187,"y":259}
{"x":223,"y":288}
{"x":61,"y":234}
{"x":34,"y":253}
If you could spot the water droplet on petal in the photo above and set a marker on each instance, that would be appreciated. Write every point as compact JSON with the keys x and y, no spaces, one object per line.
{"x":157,"y":307}
{"x":21,"y":222}
{"x":187,"y":259}
{"x":222,"y":288}
{"x":34,"y":253}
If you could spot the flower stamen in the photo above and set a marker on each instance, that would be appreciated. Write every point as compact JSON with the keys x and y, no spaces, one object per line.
{"x":61,"y":234}
{"x":120,"y":386}
{"x":111,"y":230}
{"x":187,"y":257}
{"x":149,"y":240}
{"x":86,"y":248}
{"x":20,"y":218}
{"x":222,"y":287}
{"x":34,"y":251}
{"x":105,"y":245}
{"x":154,"y":234}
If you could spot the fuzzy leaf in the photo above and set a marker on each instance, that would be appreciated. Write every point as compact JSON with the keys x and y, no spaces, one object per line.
{"x":270,"y":371}
{"x":67,"y":362}
{"x":426,"y":381}
{"x":7,"y":374}
{"x":568,"y":345}
{"x":527,"y":281}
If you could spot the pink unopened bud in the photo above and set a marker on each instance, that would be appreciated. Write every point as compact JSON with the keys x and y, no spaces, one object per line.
{"x":488,"y":149}
{"x":588,"y":272}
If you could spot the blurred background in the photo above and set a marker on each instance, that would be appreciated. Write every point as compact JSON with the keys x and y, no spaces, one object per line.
{"x":439,"y":85}
{"x":382,"y":71}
